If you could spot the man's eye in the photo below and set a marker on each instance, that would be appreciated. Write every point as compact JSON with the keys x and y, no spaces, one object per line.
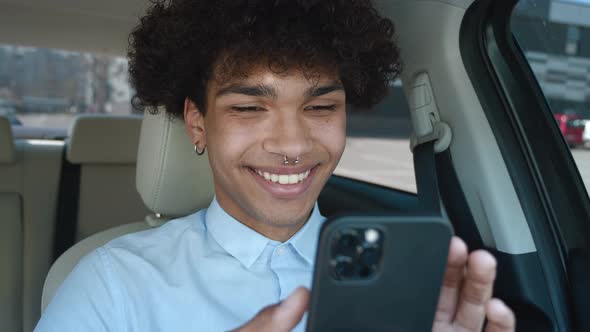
{"x":247,"y":108}
{"x":321,"y":108}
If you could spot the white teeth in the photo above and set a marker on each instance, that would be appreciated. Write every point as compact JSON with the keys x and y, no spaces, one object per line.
{"x":293,"y":178}
{"x":283,"y":178}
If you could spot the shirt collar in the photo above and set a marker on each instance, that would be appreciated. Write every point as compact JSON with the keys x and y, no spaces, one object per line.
{"x":239,"y":240}
{"x":305,"y":241}
{"x":246,"y":245}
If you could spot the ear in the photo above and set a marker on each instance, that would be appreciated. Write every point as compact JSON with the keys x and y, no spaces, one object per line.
{"x":194,"y":122}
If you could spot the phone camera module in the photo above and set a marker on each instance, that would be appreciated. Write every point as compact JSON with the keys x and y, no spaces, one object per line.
{"x":370,"y":257}
{"x":356,"y":253}
{"x":344,"y":267}
{"x":347,"y":244}
{"x":348,"y":240}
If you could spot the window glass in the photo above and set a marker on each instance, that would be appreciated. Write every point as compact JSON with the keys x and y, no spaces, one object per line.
{"x":555,"y":38}
{"x":42,"y":87}
{"x":378,"y":146}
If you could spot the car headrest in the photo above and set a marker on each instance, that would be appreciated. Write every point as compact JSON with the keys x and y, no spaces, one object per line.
{"x":171,"y":178}
{"x":104,"y":139}
{"x":7,"y":154}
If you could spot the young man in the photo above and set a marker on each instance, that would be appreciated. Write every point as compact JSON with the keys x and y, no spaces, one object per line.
{"x":263,"y":86}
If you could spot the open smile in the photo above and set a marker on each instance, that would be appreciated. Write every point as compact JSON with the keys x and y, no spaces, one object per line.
{"x":284,"y":182}
{"x":284,"y":178}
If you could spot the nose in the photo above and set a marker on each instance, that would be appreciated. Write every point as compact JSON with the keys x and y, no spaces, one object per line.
{"x":289,"y":136}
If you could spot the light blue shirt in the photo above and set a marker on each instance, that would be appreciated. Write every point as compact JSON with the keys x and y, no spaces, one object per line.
{"x":203,"y":272}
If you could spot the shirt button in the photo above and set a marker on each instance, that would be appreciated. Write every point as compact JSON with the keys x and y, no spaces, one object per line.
{"x":280,"y":251}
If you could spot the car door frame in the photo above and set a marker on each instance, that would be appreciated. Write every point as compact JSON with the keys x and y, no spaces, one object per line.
{"x":546,"y":178}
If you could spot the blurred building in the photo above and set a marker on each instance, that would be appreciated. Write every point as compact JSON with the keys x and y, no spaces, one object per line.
{"x":556,"y":35}
{"x":55,"y":81}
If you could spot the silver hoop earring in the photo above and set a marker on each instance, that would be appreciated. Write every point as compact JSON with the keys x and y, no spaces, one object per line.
{"x":199,"y":153}
{"x":296,"y":160}
{"x":286,"y":161}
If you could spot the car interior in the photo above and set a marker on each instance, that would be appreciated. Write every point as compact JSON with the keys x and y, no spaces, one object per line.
{"x":63,"y":194}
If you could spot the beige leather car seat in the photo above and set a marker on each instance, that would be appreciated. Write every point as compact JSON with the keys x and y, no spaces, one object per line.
{"x":29,"y":177}
{"x":105,"y":148}
{"x":171,"y":180}
{"x":11,"y":239}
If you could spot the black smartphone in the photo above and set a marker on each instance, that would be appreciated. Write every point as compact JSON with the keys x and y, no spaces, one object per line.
{"x":378,"y":273}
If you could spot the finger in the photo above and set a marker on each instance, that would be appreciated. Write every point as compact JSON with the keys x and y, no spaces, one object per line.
{"x":476,"y":291}
{"x":282,"y":317}
{"x":449,"y":292}
{"x":500,"y":317}
{"x":290,"y":311}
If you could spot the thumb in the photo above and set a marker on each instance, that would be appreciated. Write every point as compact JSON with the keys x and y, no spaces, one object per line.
{"x":291,"y":310}
{"x":282,"y":317}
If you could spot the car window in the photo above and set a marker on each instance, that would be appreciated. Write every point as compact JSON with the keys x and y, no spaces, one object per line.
{"x":42,"y":87}
{"x":378,"y":146}
{"x":555,"y":38}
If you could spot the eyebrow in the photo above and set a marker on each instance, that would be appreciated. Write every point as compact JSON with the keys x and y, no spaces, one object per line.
{"x":269,"y":91}
{"x":259,"y":90}
{"x":317,"y":91}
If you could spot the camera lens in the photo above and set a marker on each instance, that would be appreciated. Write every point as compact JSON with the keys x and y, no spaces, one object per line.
{"x":347,"y":240}
{"x":347,"y":244}
{"x":370,"y":256}
{"x":365,"y":272}
{"x":343,"y":267}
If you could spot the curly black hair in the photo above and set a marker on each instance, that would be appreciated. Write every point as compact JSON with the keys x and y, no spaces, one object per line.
{"x":178,"y":43}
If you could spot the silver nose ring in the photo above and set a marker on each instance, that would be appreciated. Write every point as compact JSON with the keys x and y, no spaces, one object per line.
{"x":286,"y":160}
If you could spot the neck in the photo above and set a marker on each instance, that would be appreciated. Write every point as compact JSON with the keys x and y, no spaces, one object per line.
{"x":268,"y":226}
{"x":280,"y":234}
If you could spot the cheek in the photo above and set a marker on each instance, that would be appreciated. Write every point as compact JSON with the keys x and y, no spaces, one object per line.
{"x":229,"y":141}
{"x":331,"y":133}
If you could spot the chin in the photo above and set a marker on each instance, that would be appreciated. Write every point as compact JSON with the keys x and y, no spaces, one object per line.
{"x":289,"y":216}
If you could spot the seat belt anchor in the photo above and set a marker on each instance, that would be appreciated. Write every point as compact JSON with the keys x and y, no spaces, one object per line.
{"x":441,"y":133}
{"x":425,"y":117}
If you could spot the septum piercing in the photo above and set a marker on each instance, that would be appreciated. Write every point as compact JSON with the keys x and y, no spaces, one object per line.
{"x":286,"y":160}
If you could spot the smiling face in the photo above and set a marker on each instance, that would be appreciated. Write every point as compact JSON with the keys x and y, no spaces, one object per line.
{"x":250,"y":125}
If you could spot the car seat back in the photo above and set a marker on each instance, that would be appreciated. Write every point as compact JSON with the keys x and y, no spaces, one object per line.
{"x":105,"y":150}
{"x":29,"y":177}
{"x":11,"y":239}
{"x":172,"y":182}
